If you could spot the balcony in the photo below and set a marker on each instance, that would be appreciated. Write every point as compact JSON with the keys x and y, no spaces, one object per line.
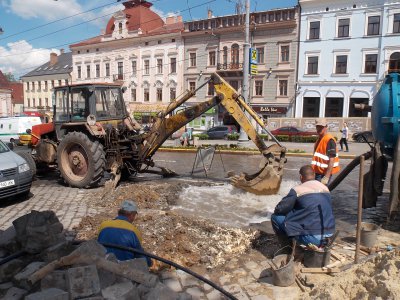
{"x":230,"y":70}
{"x":118,"y":77}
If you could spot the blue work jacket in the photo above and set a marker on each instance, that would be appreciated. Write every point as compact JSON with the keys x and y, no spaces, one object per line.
{"x":121,"y":232}
{"x":308,"y":210}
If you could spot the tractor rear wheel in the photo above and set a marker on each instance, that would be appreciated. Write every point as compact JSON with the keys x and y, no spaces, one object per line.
{"x":81,"y":161}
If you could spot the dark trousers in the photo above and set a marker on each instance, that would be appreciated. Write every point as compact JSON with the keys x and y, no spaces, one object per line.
{"x":343,"y":141}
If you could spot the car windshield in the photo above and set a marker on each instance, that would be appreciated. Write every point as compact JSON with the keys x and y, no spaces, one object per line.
{"x":3,"y":147}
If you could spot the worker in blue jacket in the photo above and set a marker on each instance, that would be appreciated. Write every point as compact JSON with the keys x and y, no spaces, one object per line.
{"x":121,"y":231}
{"x":305,"y":214}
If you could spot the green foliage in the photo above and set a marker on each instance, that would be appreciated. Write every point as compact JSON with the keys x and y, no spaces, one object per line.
{"x":296,"y":151}
{"x":282,"y":138}
{"x":10,"y":76}
{"x":305,"y":139}
{"x":233,"y":136}
{"x":202,"y":136}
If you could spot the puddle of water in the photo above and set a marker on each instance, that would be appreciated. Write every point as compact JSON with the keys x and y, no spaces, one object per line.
{"x":227,"y":205}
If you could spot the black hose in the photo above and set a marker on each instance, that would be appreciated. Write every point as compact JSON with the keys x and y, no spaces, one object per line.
{"x":12,"y":256}
{"x":171,"y":263}
{"x":342,"y":175}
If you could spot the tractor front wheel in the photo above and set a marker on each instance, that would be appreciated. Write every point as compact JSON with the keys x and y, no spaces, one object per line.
{"x":81,"y":161}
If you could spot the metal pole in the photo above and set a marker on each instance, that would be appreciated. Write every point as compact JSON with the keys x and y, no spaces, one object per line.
{"x":245,"y":86}
{"x":359,"y":209}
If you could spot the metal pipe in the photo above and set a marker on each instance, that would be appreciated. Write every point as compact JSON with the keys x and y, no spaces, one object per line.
{"x":359,"y":209}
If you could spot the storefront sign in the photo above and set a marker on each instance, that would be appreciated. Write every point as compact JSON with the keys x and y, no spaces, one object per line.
{"x":270,"y":109}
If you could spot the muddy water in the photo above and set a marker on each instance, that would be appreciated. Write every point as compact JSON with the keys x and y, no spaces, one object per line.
{"x":227,"y":205}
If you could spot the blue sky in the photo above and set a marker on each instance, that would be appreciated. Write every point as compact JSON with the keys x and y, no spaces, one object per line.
{"x":33,"y":29}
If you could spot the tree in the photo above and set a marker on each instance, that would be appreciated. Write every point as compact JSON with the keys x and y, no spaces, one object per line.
{"x":10,"y":76}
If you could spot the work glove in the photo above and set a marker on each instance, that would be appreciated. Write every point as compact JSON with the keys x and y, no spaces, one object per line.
{"x":325,"y":180}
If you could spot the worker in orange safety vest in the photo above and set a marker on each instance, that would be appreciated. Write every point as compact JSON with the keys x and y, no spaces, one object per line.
{"x":325,"y":161}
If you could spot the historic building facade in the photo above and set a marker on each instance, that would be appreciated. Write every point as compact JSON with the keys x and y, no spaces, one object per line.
{"x":345,"y":51}
{"x":38,"y":84}
{"x":216,"y":44}
{"x":141,"y":52}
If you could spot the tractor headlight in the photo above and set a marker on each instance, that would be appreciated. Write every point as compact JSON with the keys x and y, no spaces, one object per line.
{"x":23,"y":168}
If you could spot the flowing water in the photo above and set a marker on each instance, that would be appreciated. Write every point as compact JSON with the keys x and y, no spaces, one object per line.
{"x":227,"y":205}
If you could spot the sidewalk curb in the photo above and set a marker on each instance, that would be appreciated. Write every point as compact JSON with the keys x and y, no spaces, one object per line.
{"x":249,"y":152}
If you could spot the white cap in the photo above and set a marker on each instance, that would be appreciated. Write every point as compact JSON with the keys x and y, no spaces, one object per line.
{"x":129,"y":205}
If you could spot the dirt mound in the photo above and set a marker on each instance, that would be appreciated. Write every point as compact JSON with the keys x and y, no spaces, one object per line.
{"x":186,"y":241}
{"x":375,"y":279}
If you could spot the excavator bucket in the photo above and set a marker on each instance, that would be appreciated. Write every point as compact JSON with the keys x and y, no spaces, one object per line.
{"x":267,"y":181}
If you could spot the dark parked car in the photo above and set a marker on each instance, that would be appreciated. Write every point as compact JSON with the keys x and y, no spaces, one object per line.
{"x":293,"y":131}
{"x":362,"y":135}
{"x":220,"y":132}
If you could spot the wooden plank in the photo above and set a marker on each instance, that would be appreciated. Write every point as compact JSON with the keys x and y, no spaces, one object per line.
{"x":320,"y":270}
{"x":337,"y":256}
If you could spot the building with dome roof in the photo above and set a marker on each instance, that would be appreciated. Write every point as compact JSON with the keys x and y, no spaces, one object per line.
{"x":141,"y":51}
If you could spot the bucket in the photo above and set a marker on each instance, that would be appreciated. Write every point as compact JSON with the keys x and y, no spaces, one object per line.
{"x":316,"y":259}
{"x":284,"y":275}
{"x":369,"y":234}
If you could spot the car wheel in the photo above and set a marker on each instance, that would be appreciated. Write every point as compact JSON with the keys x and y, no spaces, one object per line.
{"x":360,"y":139}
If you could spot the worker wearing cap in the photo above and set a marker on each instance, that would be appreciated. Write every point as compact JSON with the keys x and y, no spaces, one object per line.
{"x":325,"y":161}
{"x":121,"y":231}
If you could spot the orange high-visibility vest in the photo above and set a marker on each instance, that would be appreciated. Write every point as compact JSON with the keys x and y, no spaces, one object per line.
{"x":320,"y":160}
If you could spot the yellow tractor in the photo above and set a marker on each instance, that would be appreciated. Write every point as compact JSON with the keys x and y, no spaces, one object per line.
{"x":92,"y":133}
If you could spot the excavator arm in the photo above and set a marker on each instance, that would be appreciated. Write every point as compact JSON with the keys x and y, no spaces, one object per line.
{"x":265,"y":181}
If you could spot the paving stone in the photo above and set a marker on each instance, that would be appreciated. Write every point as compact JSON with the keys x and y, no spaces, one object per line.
{"x":186,"y":279}
{"x":195,"y":292}
{"x":251,"y":265}
{"x":162,"y":292}
{"x":168,"y":274}
{"x":49,"y":294}
{"x":207,"y":288}
{"x":215,"y":295}
{"x":256,"y":272}
{"x":57,"y":251}
{"x":7,"y":237}
{"x":6,"y":285}
{"x":239,"y":272}
{"x":236,"y":290}
{"x":21,"y":279}
{"x":137,"y":263}
{"x":83,"y":281}
{"x":254,"y":289}
{"x":121,"y":291}
{"x":15,"y":293}
{"x":9,"y":269}
{"x":290,"y":292}
{"x":93,"y":247}
{"x":174,"y":284}
{"x":245,"y":280}
{"x":262,"y":297}
{"x":56,"y":279}
{"x":224,"y":279}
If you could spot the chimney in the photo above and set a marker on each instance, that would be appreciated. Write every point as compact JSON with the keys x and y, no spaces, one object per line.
{"x":62,"y":51}
{"x":179,"y":19}
{"x":170,"y":20}
{"x":53,"y":58}
{"x":209,"y":13}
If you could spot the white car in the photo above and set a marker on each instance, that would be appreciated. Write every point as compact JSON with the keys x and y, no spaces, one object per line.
{"x":15,"y":174}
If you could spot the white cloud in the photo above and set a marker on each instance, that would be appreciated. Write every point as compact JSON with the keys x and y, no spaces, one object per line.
{"x":20,"y":57}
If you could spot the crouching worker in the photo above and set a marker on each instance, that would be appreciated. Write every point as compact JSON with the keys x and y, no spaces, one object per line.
{"x":122,"y":232}
{"x":305,"y":214}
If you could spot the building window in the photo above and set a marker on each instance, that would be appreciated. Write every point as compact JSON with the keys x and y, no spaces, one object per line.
{"x":52,"y":84}
{"x":40,"y":102}
{"x":370,"y":63}
{"x":27,"y":86}
{"x":235,"y":56}
{"x":211,"y":58}
{"x":66,"y":81}
{"x":146,"y":95}
{"x":312,"y":65}
{"x":285,"y":53}
{"x":59,"y":81}
{"x":172,"y":93}
{"x":341,"y":64}
{"x":314,"y":30}
{"x":45,"y":85}
{"x":396,"y":23}
{"x":173,"y":64}
{"x":373,"y":25}
{"x":107,"y":69}
{"x":88,"y":71}
{"x":46,"y":102}
{"x":283,"y":87}
{"x":343,"y":28}
{"x":97,"y":70}
{"x":311,"y":107}
{"x":192,"y":86}
{"x":334,"y":107}
{"x":134,"y":67}
{"x":210,"y":90}
{"x":38,"y":86}
{"x":260,"y":55}
{"x":33,"y":102}
{"x":33,"y":86}
{"x":353,"y":112}
{"x":225,"y":55}
{"x":159,"y":66}
{"x":259,"y":87}
{"x":120,"y":28}
{"x":79,"y":72}
{"x":133,"y":95}
{"x":159,"y":94}
{"x":120,"y":70}
{"x":29,"y":102}
{"x":147,"y":67}
{"x":192,"y":57}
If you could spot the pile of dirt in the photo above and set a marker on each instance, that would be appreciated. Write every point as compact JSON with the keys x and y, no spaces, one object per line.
{"x":186,"y":241}
{"x":374,"y":279}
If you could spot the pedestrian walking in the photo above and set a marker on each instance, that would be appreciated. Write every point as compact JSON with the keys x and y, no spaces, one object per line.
{"x":345,"y":137}
{"x":325,"y":161}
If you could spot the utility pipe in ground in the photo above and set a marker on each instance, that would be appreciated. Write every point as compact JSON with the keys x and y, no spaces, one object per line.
{"x":359,"y":209}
